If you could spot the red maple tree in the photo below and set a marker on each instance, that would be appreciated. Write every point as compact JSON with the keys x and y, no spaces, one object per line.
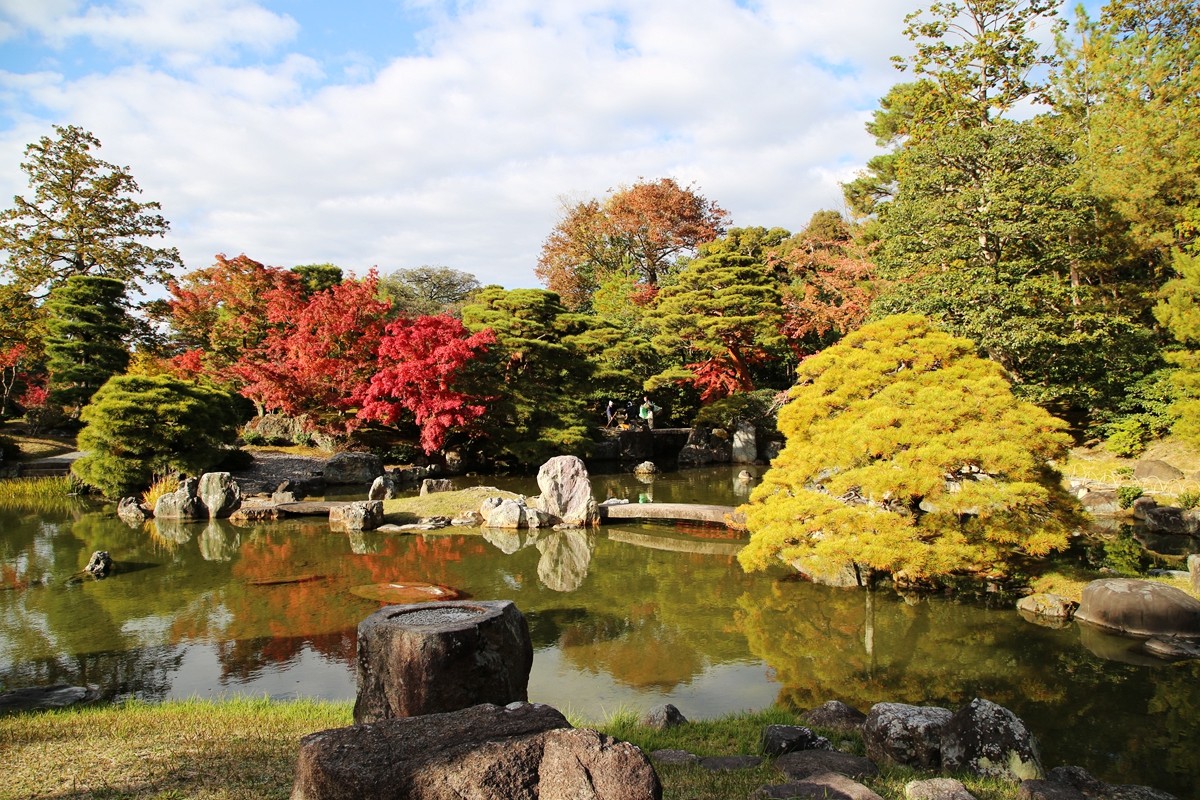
{"x":422,"y":362}
{"x":319,"y":352}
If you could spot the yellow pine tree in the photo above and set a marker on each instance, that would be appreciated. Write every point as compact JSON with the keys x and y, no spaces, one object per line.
{"x":908,"y":455}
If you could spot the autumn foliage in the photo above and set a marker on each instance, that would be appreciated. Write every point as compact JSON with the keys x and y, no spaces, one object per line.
{"x":641,"y":231}
{"x":421,"y":362}
{"x":318,"y":354}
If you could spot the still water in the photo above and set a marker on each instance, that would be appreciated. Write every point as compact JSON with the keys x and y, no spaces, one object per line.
{"x":627,"y":616}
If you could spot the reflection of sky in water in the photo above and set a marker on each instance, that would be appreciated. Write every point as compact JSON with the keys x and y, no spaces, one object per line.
{"x":720,"y":689}
{"x":307,"y":674}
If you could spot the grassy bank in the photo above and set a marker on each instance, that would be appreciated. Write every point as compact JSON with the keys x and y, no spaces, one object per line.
{"x":236,"y":749}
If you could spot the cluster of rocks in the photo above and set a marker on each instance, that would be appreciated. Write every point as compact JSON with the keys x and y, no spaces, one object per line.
{"x":530,"y":750}
{"x":214,"y":495}
{"x":718,"y":446}
{"x":566,"y":500}
{"x":1166,"y":619}
{"x":981,"y":739}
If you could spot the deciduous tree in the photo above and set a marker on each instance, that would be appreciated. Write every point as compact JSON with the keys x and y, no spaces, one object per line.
{"x":428,"y":290}
{"x":319,"y":354}
{"x":83,"y":219}
{"x":219,"y":313}
{"x":909,"y":455}
{"x":423,"y":370}
{"x":832,"y":282}
{"x":640,"y":230}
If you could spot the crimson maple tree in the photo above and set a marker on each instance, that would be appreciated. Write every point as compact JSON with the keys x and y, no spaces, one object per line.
{"x":422,"y":365}
{"x":318,"y":354}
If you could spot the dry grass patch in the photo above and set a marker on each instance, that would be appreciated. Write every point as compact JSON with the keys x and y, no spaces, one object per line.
{"x":229,"y":750}
{"x":1097,"y":464}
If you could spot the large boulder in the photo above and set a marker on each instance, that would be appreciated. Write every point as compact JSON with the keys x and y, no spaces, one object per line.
{"x":183,"y":504}
{"x":1139,"y":608}
{"x":988,"y":740}
{"x":745,"y":445}
{"x":363,"y":515}
{"x":1155,"y":469}
{"x":567,"y":492}
{"x":486,"y":751}
{"x":219,"y":493}
{"x":907,"y":735}
{"x":425,"y":658}
{"x":353,"y":468}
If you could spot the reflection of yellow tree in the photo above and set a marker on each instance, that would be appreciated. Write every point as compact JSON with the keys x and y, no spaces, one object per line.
{"x":863,"y":648}
{"x":1177,"y":699}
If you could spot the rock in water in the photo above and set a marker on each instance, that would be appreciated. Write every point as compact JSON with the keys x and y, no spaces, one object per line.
{"x":567,"y":492}
{"x":99,"y":565}
{"x":219,"y":493}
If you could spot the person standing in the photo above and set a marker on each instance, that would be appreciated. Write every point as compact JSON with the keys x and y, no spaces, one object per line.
{"x":647,"y":411}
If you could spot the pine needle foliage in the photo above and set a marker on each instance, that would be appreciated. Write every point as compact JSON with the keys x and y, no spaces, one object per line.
{"x":908,"y":455}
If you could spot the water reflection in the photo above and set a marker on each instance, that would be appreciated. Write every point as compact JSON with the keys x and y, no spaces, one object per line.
{"x":626,"y":616}
{"x":565,"y":558}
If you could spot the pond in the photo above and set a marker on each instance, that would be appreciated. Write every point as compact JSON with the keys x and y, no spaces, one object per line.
{"x":625,"y":617}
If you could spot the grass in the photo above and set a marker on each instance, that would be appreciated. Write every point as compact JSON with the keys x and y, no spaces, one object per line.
{"x":1097,"y":464}
{"x":194,"y":749}
{"x":23,"y":490}
{"x":247,"y":748}
{"x":408,"y":510}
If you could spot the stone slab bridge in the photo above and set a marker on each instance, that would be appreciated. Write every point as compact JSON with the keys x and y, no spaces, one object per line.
{"x":682,"y":512}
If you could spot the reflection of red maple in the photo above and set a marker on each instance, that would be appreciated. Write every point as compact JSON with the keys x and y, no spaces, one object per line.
{"x":271,"y":622}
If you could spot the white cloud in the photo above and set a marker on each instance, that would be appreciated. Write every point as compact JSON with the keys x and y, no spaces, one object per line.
{"x":184,"y":30}
{"x":457,"y":155}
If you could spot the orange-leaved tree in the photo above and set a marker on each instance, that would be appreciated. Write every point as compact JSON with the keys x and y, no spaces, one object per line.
{"x":640,"y":230}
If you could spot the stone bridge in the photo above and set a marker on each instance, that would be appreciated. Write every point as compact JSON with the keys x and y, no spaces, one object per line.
{"x":686,"y":512}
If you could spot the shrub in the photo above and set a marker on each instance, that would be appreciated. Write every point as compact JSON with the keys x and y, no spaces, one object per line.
{"x":253,"y":437}
{"x":161,"y":486}
{"x":1188,"y":499}
{"x":1128,"y":437}
{"x":1127,"y":494}
{"x":140,"y":426}
{"x":754,"y":407}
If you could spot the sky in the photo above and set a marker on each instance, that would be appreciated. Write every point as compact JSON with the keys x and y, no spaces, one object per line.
{"x":399,"y":133}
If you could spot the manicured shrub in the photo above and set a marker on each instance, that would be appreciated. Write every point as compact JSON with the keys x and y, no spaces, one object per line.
{"x":139,"y":426}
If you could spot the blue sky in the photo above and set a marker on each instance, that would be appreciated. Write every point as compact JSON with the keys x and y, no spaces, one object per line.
{"x":397,"y":133}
